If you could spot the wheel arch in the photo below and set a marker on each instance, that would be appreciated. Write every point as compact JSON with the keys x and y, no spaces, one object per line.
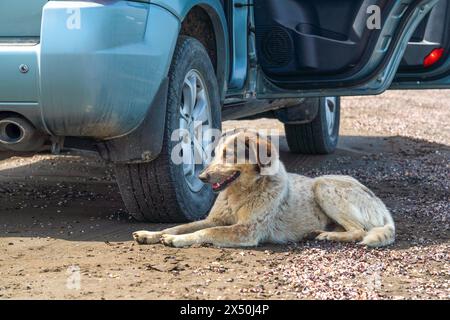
{"x":189,"y":11}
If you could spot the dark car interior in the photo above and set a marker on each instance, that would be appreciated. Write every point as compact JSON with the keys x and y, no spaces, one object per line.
{"x":326,"y":40}
{"x":312,"y":38}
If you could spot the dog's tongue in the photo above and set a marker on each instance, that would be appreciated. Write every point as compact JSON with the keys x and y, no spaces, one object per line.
{"x":216,"y":185}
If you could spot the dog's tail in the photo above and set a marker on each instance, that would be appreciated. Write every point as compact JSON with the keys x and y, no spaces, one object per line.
{"x":381,"y":236}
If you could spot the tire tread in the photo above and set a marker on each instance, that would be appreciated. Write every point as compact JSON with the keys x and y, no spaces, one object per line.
{"x":148,"y":189}
{"x":309,"y":138}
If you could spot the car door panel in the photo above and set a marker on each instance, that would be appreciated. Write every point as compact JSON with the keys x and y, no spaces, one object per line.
{"x":297,"y":38}
{"x":323,"y":47}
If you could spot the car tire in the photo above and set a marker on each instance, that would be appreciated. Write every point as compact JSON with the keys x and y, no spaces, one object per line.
{"x":320,"y":136}
{"x":162,"y":191}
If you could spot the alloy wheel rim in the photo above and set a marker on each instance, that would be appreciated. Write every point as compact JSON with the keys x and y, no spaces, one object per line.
{"x":195,"y":122}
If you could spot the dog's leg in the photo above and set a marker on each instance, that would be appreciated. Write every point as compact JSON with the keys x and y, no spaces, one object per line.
{"x":346,"y":236}
{"x":147,"y":237}
{"x":228,"y":236}
{"x":340,"y":209}
{"x":353,"y":231}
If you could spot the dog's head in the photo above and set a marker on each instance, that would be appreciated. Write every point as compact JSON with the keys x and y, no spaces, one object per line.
{"x":241,"y":158}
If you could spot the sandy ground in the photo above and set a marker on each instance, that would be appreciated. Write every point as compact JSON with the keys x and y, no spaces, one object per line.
{"x":64,"y":232}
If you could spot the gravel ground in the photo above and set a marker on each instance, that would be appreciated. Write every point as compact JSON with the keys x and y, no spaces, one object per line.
{"x":65,"y":234}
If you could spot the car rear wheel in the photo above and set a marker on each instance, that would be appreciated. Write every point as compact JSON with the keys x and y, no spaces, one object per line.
{"x":165,"y":190}
{"x":322,"y":134}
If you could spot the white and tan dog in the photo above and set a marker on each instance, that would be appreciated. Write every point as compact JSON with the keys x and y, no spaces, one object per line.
{"x":254,"y":207}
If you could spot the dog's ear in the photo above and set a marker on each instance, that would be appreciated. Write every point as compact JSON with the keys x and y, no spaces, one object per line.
{"x":260,"y":150}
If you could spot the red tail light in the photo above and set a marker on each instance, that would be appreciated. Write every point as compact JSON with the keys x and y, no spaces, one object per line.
{"x":433,"y":57}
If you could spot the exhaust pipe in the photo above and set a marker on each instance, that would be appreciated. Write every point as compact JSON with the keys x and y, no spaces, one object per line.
{"x":18,"y":134}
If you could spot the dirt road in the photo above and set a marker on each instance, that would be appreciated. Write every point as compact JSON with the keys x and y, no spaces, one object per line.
{"x":64,"y":232}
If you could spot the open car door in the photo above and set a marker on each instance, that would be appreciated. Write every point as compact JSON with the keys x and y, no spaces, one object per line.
{"x":347,"y":47}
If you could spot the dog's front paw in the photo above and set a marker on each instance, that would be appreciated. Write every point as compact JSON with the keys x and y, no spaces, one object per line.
{"x":147,"y":237}
{"x":313,"y":234}
{"x":176,"y":241}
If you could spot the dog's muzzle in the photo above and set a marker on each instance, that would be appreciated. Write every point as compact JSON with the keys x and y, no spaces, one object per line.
{"x":222,"y":185}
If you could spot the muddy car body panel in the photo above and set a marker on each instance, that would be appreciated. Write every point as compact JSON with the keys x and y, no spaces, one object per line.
{"x":114,"y":72}
{"x":23,"y":18}
{"x":95,"y":66}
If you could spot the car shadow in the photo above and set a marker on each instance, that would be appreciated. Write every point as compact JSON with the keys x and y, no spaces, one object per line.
{"x":74,"y":196}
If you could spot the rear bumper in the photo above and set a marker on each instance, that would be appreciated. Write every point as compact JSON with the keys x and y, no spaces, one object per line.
{"x":95,"y":72}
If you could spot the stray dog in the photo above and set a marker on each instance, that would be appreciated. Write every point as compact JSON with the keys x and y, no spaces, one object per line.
{"x":255,"y":207}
